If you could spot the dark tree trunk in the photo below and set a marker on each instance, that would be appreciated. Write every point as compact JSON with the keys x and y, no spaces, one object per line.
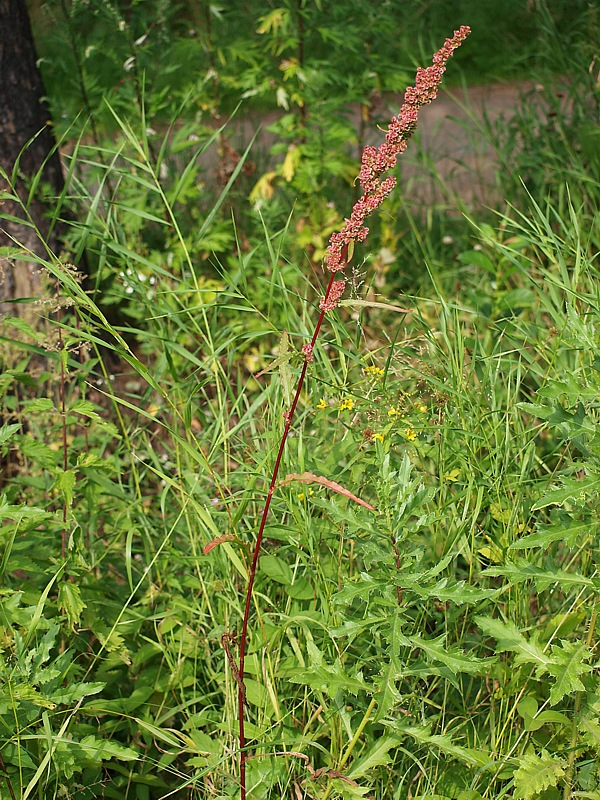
{"x":24,"y":116}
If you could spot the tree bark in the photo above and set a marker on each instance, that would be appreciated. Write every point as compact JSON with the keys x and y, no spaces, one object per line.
{"x":26,"y":140}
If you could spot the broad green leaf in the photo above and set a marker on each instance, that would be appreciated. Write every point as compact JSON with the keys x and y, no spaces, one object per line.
{"x":301,"y":589}
{"x":528,"y":709}
{"x":536,"y":773}
{"x":276,"y":569}
{"x":85,"y":408}
{"x":39,"y":405}
{"x":256,"y":694}
{"x":6,"y":431}
{"x":106,"y":749}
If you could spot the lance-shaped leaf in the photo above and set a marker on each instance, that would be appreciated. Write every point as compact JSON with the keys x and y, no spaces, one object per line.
{"x":309,"y":477}
{"x":452,"y":657}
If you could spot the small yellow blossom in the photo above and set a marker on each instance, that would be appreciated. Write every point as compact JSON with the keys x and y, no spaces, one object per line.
{"x":410,"y":434}
{"x":393,"y":412}
{"x":346,"y":405}
{"x":378,"y":437}
{"x":374,"y":372}
{"x":422,"y":408}
{"x":452,"y":476}
{"x":322,"y":403}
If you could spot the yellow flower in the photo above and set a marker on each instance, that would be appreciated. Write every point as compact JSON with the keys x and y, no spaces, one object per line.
{"x":378,"y":437}
{"x":422,"y":408}
{"x":393,"y":412}
{"x":346,"y":405}
{"x":322,"y":403}
{"x":410,"y":434}
{"x":374,"y":372}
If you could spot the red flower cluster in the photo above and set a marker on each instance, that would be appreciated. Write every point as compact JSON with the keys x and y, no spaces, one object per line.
{"x":377,"y":161}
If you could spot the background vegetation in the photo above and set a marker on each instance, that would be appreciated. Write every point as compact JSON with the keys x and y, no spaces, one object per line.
{"x":443,"y":646}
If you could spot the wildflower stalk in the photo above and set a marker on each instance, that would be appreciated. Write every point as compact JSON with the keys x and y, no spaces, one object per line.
{"x":375,"y":163}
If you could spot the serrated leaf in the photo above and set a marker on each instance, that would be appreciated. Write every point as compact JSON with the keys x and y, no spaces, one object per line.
{"x":362,"y":586}
{"x":376,"y":756}
{"x":508,"y":637}
{"x":85,"y":408}
{"x":448,"y":590}
{"x":39,"y":405}
{"x":24,"y":327}
{"x":536,"y":773}
{"x":66,"y":482}
{"x":572,"y":490}
{"x":443,"y":742}
{"x":566,"y":530}
{"x":568,"y":664}
{"x":451,"y":657}
{"x":524,"y":571}
{"x":39,"y":453}
{"x":6,"y":431}
{"x":77,"y":691}
{"x":28,"y":693}
{"x":69,"y":601}
{"x":325,"y":677}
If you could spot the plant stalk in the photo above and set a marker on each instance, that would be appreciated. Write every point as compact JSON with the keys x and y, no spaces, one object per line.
{"x":289,"y":415}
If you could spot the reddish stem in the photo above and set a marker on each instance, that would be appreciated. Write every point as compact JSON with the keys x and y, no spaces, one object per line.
{"x":252,"y":574}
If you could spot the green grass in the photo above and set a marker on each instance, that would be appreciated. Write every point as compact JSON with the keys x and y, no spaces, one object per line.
{"x":443,"y":646}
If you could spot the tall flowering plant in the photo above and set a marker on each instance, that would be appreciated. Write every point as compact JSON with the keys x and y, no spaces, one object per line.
{"x":376,"y":162}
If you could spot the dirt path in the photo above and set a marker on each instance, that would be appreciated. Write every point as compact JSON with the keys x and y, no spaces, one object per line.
{"x":450,"y":153}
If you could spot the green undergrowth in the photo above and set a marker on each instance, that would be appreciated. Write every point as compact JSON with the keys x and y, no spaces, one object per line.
{"x":424,"y":622}
{"x":440,"y":645}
